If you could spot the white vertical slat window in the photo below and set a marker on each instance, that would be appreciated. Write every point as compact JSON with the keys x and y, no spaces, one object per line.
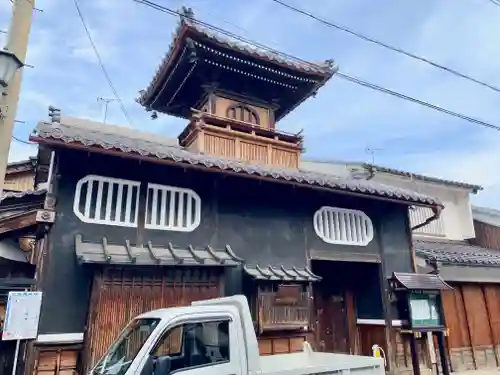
{"x":418,"y":215}
{"x":172,"y":208}
{"x":343,"y":227}
{"x":108,"y":201}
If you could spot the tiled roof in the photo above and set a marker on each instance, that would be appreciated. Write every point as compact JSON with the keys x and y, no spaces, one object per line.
{"x":486,"y":215}
{"x":110,"y":138}
{"x":21,"y":194}
{"x":281,"y":274}
{"x":456,"y":252}
{"x":21,"y":166}
{"x":326,"y":68}
{"x":367,"y":169}
{"x":474,"y":188}
{"x":105,"y":253}
{"x":418,"y":281}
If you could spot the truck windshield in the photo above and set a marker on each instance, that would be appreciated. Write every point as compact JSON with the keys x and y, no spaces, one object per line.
{"x":121,"y":354}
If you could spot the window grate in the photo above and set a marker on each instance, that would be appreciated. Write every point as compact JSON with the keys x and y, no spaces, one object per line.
{"x":343,"y":227}
{"x":105,"y":200}
{"x":172,"y":208}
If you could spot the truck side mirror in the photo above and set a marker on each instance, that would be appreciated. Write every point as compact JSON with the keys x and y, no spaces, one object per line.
{"x":161,"y":365}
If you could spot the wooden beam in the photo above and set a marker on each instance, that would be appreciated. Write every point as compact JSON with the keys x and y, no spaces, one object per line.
{"x":19,"y":221}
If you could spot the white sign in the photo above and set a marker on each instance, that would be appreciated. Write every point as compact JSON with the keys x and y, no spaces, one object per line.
{"x":420,"y":309}
{"x":22,"y":315}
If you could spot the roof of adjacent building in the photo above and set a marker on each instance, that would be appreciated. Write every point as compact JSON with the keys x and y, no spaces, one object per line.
{"x":374,"y":168}
{"x":473,"y":187}
{"x":21,"y":166}
{"x":21,"y":194}
{"x":194,"y":45}
{"x":111,"y":139}
{"x":456,"y":253}
{"x":486,"y":215}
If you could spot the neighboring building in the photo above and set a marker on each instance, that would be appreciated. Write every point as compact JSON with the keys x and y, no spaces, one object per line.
{"x":20,"y":175}
{"x":487,"y":226}
{"x":455,"y":221}
{"x":21,"y":224}
{"x":466,"y":253}
{"x":145,"y":222}
{"x":20,"y":210}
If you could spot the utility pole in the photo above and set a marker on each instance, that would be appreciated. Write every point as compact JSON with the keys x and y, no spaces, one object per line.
{"x":17,"y":43}
{"x":106,"y":102}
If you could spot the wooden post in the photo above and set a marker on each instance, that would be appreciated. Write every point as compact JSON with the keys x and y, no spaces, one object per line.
{"x":384,"y":290}
{"x":443,"y":353}
{"x":351,"y":322}
{"x":414,"y":354}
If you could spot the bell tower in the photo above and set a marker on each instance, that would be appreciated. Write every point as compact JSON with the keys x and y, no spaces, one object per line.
{"x":232,"y":95}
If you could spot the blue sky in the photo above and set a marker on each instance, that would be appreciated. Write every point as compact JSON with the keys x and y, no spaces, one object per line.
{"x":342,"y":121}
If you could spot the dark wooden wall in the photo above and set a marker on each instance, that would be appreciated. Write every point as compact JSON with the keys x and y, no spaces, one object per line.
{"x":265,"y":223}
{"x":487,"y":236}
{"x":472,"y":313}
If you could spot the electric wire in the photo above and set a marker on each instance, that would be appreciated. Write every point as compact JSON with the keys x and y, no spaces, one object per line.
{"x":417,"y":101}
{"x":342,"y":75}
{"x":496,"y":2}
{"x":367,"y":38}
{"x":23,"y":141}
{"x":101,"y":64}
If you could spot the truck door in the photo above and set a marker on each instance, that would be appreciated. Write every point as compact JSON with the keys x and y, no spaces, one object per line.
{"x":201,"y":347}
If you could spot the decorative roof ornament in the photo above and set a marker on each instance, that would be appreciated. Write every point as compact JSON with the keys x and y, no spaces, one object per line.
{"x":186,"y":13}
{"x":332,"y":64}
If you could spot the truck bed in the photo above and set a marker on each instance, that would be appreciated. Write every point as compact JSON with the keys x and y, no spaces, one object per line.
{"x":320,"y":363}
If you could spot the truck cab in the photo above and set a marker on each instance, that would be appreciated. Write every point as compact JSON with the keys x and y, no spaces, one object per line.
{"x":211,"y":337}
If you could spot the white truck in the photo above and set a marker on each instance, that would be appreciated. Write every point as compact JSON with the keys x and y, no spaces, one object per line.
{"x":214,"y":337}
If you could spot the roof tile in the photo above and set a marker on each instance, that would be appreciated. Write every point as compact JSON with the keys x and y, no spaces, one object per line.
{"x":110,"y":138}
{"x":456,"y":252}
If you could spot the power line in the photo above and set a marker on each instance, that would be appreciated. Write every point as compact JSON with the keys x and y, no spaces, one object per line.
{"x":339,"y":74}
{"x":385,"y":45}
{"x":101,"y":64}
{"x":414,"y":100}
{"x":25,"y":142}
{"x":496,"y":2}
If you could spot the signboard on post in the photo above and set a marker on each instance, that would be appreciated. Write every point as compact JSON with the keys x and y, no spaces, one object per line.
{"x":22,"y":316}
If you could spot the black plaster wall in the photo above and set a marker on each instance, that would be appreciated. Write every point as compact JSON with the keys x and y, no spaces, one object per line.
{"x":264,"y":223}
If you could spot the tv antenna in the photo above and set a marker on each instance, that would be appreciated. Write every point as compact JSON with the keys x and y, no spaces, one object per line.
{"x":106,"y":102}
{"x":372,"y":151}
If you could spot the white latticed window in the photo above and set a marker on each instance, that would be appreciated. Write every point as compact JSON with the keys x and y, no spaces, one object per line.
{"x":343,"y":227}
{"x":105,"y":200}
{"x":172,"y":208}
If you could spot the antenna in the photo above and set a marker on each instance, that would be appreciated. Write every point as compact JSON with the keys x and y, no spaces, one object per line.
{"x":372,"y":152}
{"x":106,"y":102}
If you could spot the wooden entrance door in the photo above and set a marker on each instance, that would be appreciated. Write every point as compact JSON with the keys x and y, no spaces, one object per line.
{"x":119,"y":296}
{"x":332,"y":323}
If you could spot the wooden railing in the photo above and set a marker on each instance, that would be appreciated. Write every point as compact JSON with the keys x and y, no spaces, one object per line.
{"x":273,"y":316}
{"x":247,"y":142}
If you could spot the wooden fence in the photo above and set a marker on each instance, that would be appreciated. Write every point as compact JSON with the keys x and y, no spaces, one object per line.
{"x":472,"y":314}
